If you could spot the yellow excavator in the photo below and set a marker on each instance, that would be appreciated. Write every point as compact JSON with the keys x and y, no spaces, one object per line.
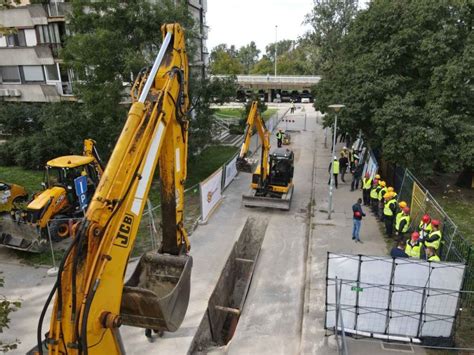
{"x":91,"y":300}
{"x":54,"y":210}
{"x":11,"y":196}
{"x":272,"y":180}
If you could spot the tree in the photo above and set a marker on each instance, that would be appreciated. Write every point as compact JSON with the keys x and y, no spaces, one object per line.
{"x":103,"y":60}
{"x":224,"y":61}
{"x":248,"y":56}
{"x":283,"y":46}
{"x":330,"y":21}
{"x":406,"y":83}
{"x":6,"y":307}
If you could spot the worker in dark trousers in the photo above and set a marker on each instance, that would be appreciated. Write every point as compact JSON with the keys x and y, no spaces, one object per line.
{"x":366,"y":186}
{"x":390,"y":206}
{"x":279,"y":136}
{"x":374,"y":194}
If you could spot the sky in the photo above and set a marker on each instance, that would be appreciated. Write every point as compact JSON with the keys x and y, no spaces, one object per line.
{"x":239,"y":22}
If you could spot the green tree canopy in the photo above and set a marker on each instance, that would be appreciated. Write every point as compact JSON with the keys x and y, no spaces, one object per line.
{"x":406,"y":82}
{"x":224,"y":60}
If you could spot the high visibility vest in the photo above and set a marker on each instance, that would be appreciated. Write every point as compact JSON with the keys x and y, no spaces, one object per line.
{"x":413,"y":251}
{"x":437,"y":242}
{"x":401,"y":217}
{"x":434,"y":258}
{"x":425,"y":229}
{"x":387,"y":211}
{"x":279,"y":135}
{"x":335,"y":167}
{"x":381,"y":193}
{"x":366,"y":183}
{"x":374,"y":193}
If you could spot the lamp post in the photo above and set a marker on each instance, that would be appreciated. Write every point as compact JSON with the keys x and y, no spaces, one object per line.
{"x":336,"y":108}
{"x":276,"y":47}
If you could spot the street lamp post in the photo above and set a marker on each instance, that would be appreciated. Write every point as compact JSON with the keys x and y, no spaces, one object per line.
{"x":336,"y":108}
{"x":276,"y":47}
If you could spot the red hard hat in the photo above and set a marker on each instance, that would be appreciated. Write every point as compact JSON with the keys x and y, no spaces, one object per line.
{"x":415,"y":236}
{"x":406,"y":210}
{"x":426,"y":218}
{"x":435,"y":222}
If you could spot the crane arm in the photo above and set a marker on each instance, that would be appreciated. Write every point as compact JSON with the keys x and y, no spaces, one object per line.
{"x":254,"y":119}
{"x":89,"y":286}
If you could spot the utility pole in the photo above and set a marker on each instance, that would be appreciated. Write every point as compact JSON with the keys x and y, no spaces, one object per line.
{"x":336,"y":108}
{"x":276,"y":48}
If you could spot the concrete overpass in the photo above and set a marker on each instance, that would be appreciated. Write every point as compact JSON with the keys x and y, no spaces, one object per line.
{"x":271,"y":87}
{"x":282,"y":82}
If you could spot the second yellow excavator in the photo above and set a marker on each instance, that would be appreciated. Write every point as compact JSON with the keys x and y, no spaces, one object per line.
{"x":272,"y":180}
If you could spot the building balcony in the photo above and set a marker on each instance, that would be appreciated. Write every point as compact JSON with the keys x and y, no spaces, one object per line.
{"x":38,"y":55}
{"x":29,"y":93}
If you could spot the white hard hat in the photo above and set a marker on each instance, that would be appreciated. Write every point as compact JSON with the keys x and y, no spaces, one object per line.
{"x":335,"y":158}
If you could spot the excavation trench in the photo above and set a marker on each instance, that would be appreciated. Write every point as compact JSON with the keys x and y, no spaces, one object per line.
{"x":227,"y":301}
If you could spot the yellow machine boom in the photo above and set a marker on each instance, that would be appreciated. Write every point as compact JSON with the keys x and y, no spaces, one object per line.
{"x":88,"y":301}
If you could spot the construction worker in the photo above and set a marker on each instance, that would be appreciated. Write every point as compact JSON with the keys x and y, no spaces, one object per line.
{"x":431,"y":254}
{"x":402,"y":205}
{"x":334,"y":169}
{"x":279,"y":136}
{"x":414,"y":246}
{"x":345,"y":152}
{"x":343,"y":164}
{"x":402,"y":223}
{"x":374,"y":193}
{"x":433,"y":240}
{"x":366,"y":186}
{"x":380,"y":196}
{"x":390,"y":206}
{"x":425,"y":226}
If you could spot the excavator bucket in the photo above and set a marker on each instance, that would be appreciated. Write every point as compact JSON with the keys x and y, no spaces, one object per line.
{"x":246,"y":165}
{"x":21,"y":236}
{"x":157,"y":294}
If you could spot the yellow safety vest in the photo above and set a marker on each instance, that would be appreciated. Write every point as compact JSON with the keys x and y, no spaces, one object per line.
{"x":434,"y":258}
{"x":413,"y":251}
{"x":437,"y":242}
{"x":279,"y":135}
{"x":374,"y":193}
{"x":335,"y":167}
{"x":386,"y":210}
{"x":381,"y":193}
{"x":426,"y":229}
{"x":366,"y":183}
{"x":400,"y":217}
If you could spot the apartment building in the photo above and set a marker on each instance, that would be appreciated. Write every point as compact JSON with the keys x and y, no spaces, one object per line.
{"x":30,"y":69}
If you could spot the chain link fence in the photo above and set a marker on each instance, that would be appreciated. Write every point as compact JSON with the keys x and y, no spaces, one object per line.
{"x":454,"y":246}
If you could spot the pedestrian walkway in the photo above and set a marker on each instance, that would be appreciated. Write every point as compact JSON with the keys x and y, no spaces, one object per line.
{"x":333,"y":235}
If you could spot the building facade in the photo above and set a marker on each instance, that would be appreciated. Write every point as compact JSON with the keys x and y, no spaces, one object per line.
{"x":30,"y":68}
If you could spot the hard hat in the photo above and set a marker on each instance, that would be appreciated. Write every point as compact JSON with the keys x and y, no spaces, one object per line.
{"x":415,"y":236}
{"x":390,"y":189}
{"x":388,"y":195}
{"x":367,"y":174}
{"x":435,"y":222}
{"x":382,"y":183}
{"x":377,"y":176}
{"x":335,"y":158}
{"x":402,"y":204}
{"x":344,"y":148}
{"x":406,"y":210}
{"x":426,"y":218}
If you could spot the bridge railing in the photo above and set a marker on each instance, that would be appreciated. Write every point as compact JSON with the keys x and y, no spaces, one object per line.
{"x":282,"y":79}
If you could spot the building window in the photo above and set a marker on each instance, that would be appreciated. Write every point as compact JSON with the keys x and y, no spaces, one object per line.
{"x":10,"y":74}
{"x":33,"y":73}
{"x":16,"y":39}
{"x":51,"y":33}
{"x":51,"y":72}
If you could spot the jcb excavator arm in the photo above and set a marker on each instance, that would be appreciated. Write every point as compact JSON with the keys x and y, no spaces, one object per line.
{"x":91,"y":151}
{"x":88,"y":290}
{"x":254,"y":119}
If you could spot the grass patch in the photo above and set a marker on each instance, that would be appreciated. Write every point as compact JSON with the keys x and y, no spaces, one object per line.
{"x":237,"y":113}
{"x":460,"y":208}
{"x":30,"y":179}
{"x":210,"y":159}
